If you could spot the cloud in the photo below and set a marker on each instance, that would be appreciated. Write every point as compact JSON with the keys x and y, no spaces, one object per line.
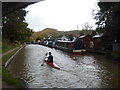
{"x":60,"y":14}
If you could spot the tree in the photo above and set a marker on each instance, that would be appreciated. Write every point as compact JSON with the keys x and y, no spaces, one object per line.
{"x":71,"y":37}
{"x":15,"y":27}
{"x":87,"y":26}
{"x":93,"y":33}
{"x":108,"y":18}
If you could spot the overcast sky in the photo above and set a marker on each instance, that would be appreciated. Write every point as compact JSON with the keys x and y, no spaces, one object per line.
{"x":63,"y":15}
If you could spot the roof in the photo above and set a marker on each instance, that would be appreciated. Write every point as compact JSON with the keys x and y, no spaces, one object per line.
{"x":65,"y":41}
{"x":98,"y":35}
{"x":61,"y":36}
{"x":82,"y":36}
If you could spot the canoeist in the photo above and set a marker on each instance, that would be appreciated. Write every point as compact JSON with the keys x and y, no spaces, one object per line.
{"x":50,"y":58}
{"x":50,"y":62}
{"x":46,"y":58}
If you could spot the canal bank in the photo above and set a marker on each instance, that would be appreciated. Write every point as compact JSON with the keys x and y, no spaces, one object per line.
{"x":8,"y":79}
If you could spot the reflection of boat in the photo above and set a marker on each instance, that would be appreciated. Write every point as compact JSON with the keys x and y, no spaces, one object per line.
{"x":53,"y":65}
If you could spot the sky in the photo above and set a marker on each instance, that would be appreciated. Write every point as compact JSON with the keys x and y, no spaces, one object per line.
{"x":63,"y":15}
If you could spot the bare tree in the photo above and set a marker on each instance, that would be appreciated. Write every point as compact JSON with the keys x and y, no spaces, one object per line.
{"x":87,"y":26}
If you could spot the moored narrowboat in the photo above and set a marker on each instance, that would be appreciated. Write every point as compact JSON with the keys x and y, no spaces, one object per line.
{"x":76,"y":46}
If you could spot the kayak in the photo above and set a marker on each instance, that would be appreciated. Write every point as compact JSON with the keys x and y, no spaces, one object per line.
{"x":53,"y":65}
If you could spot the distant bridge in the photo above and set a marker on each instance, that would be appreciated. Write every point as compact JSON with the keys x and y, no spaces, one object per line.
{"x":9,"y":7}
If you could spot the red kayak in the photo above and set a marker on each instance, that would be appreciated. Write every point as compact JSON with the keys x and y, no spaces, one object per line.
{"x":53,"y":65}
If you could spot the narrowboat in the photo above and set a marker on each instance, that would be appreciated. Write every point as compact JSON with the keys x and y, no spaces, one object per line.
{"x":76,"y":46}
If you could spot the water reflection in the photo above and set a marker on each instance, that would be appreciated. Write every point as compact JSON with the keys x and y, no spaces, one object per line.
{"x":77,"y":71}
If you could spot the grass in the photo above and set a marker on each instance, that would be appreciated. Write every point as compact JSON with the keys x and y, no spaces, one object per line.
{"x":0,"y":67}
{"x":7,"y":47}
{"x":6,"y":75}
{"x":6,"y":57}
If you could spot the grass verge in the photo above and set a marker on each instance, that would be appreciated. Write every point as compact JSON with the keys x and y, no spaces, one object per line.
{"x":6,"y":47}
{"x":6,"y":75}
{"x":6,"y":57}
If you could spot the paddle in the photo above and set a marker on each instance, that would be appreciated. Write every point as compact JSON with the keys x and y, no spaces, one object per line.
{"x":42,"y":62}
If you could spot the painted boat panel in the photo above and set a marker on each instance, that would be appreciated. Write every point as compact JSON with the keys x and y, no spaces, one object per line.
{"x":79,"y":51}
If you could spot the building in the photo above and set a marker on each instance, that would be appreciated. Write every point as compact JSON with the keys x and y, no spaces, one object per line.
{"x":62,"y":37}
{"x":97,"y":39}
{"x":86,"y":39}
{"x":103,"y":41}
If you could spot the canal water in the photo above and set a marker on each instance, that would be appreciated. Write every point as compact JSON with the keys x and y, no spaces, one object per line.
{"x":77,"y":71}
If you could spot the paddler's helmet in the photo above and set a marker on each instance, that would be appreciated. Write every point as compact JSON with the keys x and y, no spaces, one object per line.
{"x":49,"y":53}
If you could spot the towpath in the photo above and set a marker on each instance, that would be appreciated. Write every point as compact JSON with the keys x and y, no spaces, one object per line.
{"x":1,"y":55}
{"x":3,"y":84}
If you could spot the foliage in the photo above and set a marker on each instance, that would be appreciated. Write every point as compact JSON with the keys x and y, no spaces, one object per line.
{"x":87,"y":26}
{"x":93,"y":33}
{"x":15,"y":27}
{"x":71,"y":37}
{"x":108,"y":18}
{"x":44,"y":34}
{"x":78,"y":44}
{"x":7,"y":46}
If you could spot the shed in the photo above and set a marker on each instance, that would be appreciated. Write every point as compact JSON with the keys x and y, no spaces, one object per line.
{"x":97,"y":39}
{"x":86,"y":39}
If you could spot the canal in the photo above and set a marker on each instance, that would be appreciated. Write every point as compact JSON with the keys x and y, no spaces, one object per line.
{"x":77,"y":71}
